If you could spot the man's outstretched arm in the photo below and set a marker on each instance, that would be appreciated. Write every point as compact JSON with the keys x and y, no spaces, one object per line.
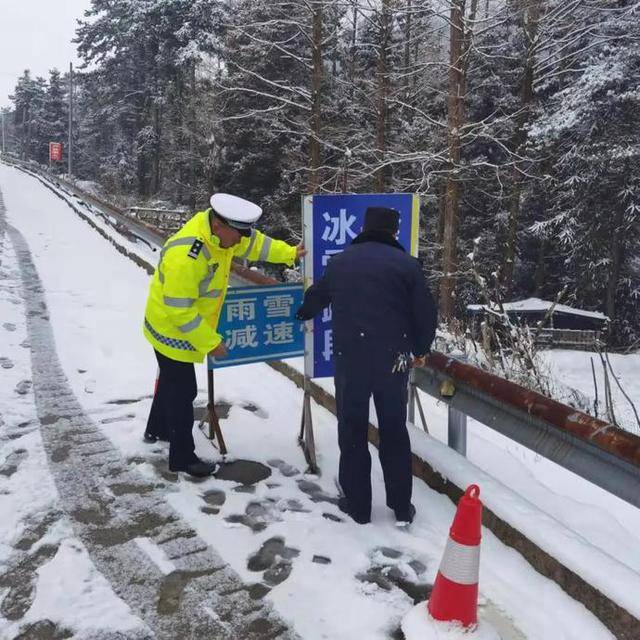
{"x":316,"y":298}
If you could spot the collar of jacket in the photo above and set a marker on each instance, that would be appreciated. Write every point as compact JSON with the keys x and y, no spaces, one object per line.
{"x":384,"y":237}
{"x":204,"y":230}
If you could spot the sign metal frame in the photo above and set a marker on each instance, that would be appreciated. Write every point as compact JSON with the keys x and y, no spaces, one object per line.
{"x":407,"y":204}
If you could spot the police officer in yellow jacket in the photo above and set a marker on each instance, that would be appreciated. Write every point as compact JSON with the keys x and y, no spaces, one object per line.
{"x":185,"y":301}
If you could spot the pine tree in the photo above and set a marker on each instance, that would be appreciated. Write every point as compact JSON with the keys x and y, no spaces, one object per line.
{"x":28,"y":99}
{"x":589,"y":127}
{"x":515,"y":120}
{"x":55,"y":115}
{"x":144,"y":56}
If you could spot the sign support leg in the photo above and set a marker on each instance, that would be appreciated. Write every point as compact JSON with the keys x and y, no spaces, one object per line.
{"x":411,"y":408}
{"x":302,"y":424}
{"x":414,"y":399}
{"x":306,"y":438}
{"x":214,"y":424}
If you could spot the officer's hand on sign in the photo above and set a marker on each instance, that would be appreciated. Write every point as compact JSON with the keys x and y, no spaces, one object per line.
{"x":301,"y":252}
{"x":220,"y":351}
{"x":420,"y":361}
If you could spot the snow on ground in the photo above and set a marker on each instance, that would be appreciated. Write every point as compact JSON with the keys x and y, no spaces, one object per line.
{"x":285,"y":534}
{"x":574,"y":369}
{"x":139,"y":245}
{"x":417,"y":626}
{"x":47,"y":574}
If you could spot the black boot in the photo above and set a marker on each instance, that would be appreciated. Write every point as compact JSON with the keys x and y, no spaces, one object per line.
{"x":343,"y":505}
{"x":151,"y":438}
{"x":197,"y":468}
{"x":405,"y":516}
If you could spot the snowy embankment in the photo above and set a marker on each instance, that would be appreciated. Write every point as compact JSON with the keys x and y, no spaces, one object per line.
{"x":573,"y":368}
{"x":140,"y":247}
{"x":323,"y":575}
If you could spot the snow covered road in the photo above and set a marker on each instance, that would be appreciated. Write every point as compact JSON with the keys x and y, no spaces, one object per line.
{"x":163,"y":551}
{"x":114,"y":510}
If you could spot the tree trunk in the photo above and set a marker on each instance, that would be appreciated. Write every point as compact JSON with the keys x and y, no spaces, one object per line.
{"x":352,"y":57}
{"x":407,"y":50}
{"x":24,"y":133}
{"x":156,"y":111}
{"x":531,"y":15}
{"x":179,"y":179}
{"x":540,"y":274}
{"x":442,"y":199}
{"x":156,"y":150}
{"x":615,"y":253}
{"x":192,"y":134}
{"x":316,"y":87}
{"x":382,"y":77}
{"x":452,"y":193}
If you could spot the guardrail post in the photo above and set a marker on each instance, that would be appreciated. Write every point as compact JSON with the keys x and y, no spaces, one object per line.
{"x":457,"y":431}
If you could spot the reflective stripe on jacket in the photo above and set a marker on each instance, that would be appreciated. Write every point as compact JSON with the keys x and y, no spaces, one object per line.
{"x":189,"y":286}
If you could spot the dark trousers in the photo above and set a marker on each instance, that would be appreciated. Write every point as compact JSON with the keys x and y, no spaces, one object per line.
{"x":171,"y":415}
{"x":362,"y":372}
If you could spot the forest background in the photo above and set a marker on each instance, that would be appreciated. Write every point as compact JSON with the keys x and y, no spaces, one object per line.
{"x":517,"y":121}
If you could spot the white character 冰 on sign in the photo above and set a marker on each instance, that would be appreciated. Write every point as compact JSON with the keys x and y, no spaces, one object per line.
{"x":338,"y":228}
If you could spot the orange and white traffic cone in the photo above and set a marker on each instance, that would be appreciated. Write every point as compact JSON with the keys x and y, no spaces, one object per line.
{"x":455,"y":591}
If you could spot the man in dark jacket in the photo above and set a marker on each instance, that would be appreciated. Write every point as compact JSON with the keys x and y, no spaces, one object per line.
{"x":382,"y":312}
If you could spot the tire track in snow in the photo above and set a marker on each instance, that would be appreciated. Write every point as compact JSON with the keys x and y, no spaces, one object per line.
{"x":194,"y":594}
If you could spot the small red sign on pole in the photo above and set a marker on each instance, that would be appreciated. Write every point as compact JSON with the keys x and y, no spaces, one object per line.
{"x":55,"y":151}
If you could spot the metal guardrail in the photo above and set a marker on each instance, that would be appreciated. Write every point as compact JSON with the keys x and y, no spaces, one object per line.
{"x":152,"y":236}
{"x":168,"y":221}
{"x":172,"y":212}
{"x":598,"y":452}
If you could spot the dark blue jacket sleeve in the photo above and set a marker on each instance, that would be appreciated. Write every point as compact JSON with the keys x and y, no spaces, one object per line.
{"x":316,"y":298}
{"x":424,"y":314}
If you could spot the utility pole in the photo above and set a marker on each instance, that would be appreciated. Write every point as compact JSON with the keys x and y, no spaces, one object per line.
{"x":3,"y":132}
{"x":70,"y":146}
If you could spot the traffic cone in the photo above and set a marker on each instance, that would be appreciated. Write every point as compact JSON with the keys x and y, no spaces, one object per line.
{"x":455,"y":592}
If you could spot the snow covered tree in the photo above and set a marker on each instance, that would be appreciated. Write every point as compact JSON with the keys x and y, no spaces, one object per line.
{"x":55,"y":112}
{"x":28,"y":99}
{"x":274,"y":100}
{"x":143,"y":56}
{"x":589,"y":126}
{"x":514,"y":119}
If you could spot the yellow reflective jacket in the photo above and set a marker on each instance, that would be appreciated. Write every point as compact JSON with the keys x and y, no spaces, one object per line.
{"x":190,"y":284}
